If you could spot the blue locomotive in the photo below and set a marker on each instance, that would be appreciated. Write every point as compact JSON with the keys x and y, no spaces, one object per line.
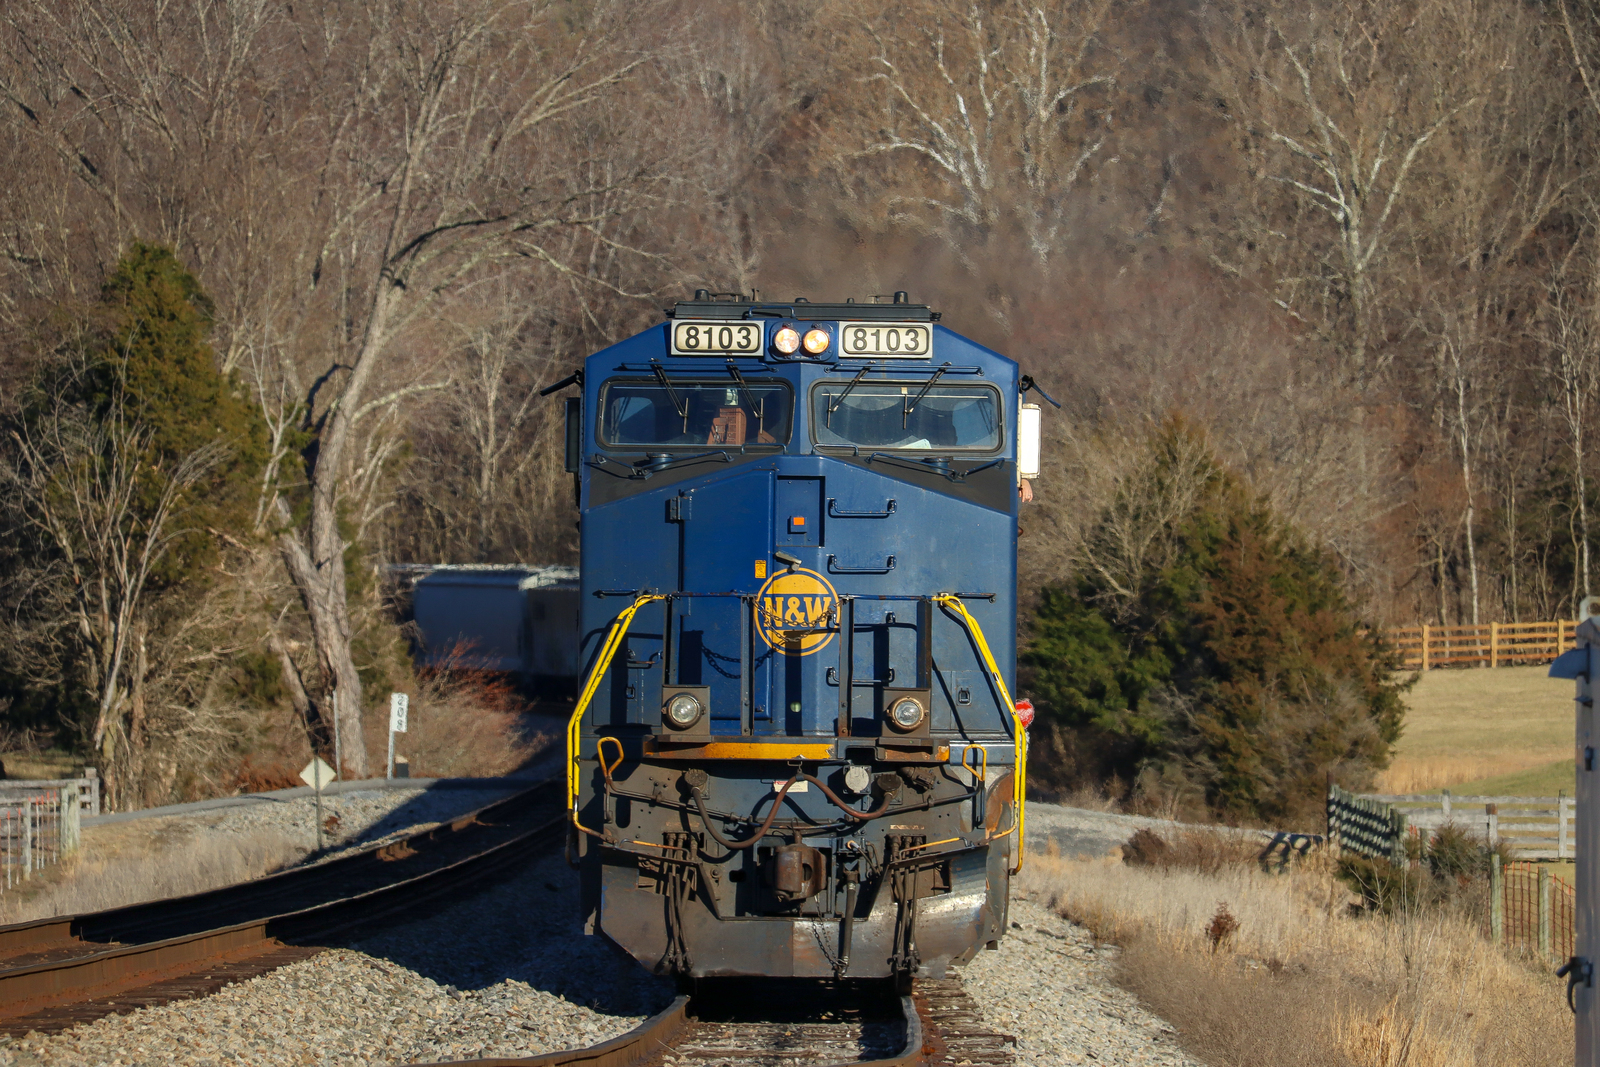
{"x":795,"y":752}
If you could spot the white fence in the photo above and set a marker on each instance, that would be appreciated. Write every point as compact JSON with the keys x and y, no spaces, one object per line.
{"x":1536,"y":828}
{"x":36,"y":829}
{"x":86,"y":789}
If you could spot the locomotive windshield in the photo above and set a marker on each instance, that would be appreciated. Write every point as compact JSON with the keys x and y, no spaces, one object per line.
{"x":909,"y":415}
{"x":668,"y":412}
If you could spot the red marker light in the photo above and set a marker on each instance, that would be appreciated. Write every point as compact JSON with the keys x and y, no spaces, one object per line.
{"x":1025,"y":713}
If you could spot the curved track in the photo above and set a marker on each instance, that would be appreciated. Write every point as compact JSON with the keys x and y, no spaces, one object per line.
{"x":55,"y":973}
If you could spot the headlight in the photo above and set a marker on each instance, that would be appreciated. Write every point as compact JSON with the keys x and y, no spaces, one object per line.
{"x":786,"y":340}
{"x":817,"y":341}
{"x":683,"y":711}
{"x":906,"y":713}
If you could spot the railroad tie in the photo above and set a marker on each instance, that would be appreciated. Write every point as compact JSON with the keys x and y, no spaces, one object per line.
{"x":954,"y":1029}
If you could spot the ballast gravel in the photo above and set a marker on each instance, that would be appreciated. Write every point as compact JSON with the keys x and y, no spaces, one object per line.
{"x":505,"y":972}
{"x":1050,"y":985}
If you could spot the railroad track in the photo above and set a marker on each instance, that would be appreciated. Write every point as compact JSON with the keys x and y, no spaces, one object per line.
{"x":56,"y":973}
{"x":797,"y":1025}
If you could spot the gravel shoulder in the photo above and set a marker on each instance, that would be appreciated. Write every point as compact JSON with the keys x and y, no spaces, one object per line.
{"x":355,"y":819}
{"x":1081,"y":832}
{"x":1050,"y":985}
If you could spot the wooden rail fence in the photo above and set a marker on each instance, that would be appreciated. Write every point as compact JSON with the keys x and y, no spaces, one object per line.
{"x":36,"y":829}
{"x":1492,"y":644}
{"x":1531,"y":908}
{"x":1375,"y":824}
{"x":86,"y":789}
{"x":1536,"y":828}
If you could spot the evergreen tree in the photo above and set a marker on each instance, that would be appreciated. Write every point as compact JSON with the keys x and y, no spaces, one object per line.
{"x":150,"y":356}
{"x":1222,"y":651}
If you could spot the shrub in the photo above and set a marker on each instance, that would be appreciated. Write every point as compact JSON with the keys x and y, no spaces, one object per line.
{"x":1454,"y":853}
{"x":1146,"y":848}
{"x":1204,"y":851}
{"x":462,"y":724}
{"x":1383,"y":886}
{"x":1222,"y":927}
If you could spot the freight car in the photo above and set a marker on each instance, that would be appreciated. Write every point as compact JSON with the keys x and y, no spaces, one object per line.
{"x":520,"y":621}
{"x":795,"y":752}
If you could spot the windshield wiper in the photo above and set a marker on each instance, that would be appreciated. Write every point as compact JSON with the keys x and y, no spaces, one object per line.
{"x":840,"y":399}
{"x":677,"y":405}
{"x":655,"y":462}
{"x":907,"y":409}
{"x":759,"y":408}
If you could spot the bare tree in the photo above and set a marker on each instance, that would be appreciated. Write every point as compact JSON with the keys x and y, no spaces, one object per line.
{"x":1571,"y":344}
{"x":1337,"y":104}
{"x":386,"y":157}
{"x":103,"y":513}
{"x":1502,"y":168}
{"x":977,"y":120}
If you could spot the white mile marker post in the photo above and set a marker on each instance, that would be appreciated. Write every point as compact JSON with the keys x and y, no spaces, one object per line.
{"x":318,"y":774}
{"x":399,"y":706}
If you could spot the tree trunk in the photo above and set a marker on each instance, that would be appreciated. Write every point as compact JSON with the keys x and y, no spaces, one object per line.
{"x":1511,"y":549}
{"x":1464,"y":442}
{"x":322,"y":591}
{"x":1583,"y":514}
{"x":1439,"y":563}
{"x":316,"y":729}
{"x":136,"y":716}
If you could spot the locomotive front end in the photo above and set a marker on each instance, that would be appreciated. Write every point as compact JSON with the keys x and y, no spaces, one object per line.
{"x":795,"y":752}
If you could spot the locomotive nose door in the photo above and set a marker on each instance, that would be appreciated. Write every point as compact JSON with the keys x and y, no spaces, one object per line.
{"x":727,"y":540}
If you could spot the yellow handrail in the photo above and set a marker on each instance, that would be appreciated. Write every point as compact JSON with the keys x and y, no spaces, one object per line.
{"x":602,"y":663}
{"x":1019,"y":733}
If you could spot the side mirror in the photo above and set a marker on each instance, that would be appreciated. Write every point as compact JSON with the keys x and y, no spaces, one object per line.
{"x":1029,"y":419}
{"x":574,"y":434}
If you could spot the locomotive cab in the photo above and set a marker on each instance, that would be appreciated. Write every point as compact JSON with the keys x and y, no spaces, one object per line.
{"x":795,"y":752}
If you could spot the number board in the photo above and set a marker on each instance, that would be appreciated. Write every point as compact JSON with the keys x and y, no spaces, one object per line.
{"x":895,"y":340}
{"x":713,"y":338}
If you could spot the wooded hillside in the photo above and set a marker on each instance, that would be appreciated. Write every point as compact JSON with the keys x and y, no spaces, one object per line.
{"x":1356,"y":243}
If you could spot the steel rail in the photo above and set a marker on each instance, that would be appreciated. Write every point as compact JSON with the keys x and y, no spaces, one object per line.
{"x":51,"y":990}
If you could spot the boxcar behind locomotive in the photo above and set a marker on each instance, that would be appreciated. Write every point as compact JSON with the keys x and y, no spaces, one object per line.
{"x":795,"y":752}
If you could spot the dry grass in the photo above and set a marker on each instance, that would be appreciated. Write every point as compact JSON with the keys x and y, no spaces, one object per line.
{"x":1299,"y":980}
{"x":1465,"y":725}
{"x":1414,"y":774}
{"x":461,"y":725}
{"x":35,"y":765}
{"x":128,"y":864}
{"x":1088,"y":797}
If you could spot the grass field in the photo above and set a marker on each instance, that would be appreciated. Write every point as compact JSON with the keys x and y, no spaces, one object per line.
{"x":1506,"y":730}
{"x":38,"y":765}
